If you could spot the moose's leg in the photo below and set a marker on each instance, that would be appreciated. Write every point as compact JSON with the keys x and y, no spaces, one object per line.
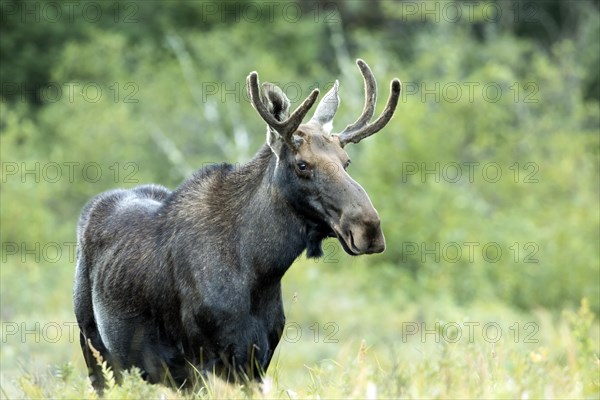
{"x":246,"y":358}
{"x":139,"y":342}
{"x":274,"y":337}
{"x":89,"y":336}
{"x":163,"y":362}
{"x":92,"y":361}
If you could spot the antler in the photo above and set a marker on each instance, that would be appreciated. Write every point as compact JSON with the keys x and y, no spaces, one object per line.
{"x":361,"y":128}
{"x":284,"y":128}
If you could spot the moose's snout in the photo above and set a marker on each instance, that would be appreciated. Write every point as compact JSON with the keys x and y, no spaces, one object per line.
{"x":360,"y":224}
{"x":371,"y":239}
{"x":362,"y":234}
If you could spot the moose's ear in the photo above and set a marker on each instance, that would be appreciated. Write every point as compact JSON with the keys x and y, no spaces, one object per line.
{"x":327,"y":108}
{"x":276,"y":101}
{"x":278,"y":105}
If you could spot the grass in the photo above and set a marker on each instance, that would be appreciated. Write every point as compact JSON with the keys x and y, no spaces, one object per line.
{"x":560,"y":365}
{"x":347,"y":339}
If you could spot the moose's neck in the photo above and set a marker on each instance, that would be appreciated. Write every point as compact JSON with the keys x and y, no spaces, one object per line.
{"x":237,"y":213}
{"x":272,"y":234}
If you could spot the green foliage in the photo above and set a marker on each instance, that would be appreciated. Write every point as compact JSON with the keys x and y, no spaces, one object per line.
{"x":542,"y":142}
{"x":151,"y":102}
{"x":587,"y":357}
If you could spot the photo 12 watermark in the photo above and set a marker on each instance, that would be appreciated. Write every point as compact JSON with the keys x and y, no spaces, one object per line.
{"x":39,"y":332}
{"x":68,"y":172}
{"x":470,"y":252}
{"x":39,"y":252}
{"x":467,"y":11}
{"x":70,"y":11}
{"x":73,"y":92}
{"x":270,"y":11}
{"x":469,"y":171}
{"x":237,"y":92}
{"x":469,"y":91}
{"x":469,"y":332}
{"x":316,"y":332}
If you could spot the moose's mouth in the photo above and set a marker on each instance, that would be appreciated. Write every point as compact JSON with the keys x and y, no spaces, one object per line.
{"x":347,"y":242}
{"x":351,"y":236}
{"x":356,"y":242}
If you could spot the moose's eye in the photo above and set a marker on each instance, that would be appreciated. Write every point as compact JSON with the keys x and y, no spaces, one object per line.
{"x":302,"y":166}
{"x":303,"y":169}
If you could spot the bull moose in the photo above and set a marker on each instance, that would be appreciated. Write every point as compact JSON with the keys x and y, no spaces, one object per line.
{"x":176,"y":282}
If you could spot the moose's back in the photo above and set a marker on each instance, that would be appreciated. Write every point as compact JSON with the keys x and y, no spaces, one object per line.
{"x":116,"y":234}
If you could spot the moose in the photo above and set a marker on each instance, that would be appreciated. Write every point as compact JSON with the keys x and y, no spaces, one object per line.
{"x":188,"y":282}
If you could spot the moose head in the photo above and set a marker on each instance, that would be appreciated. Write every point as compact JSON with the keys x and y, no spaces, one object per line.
{"x":311,"y":171}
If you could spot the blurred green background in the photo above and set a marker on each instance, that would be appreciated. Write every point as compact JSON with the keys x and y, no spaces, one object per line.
{"x":486,"y":179}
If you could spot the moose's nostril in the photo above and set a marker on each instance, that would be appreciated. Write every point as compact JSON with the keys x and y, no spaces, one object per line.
{"x":375,"y":236}
{"x":373,"y":227}
{"x":378,"y":245}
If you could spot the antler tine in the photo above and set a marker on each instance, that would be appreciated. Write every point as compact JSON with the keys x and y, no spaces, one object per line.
{"x":294,"y":120}
{"x":366,"y":131}
{"x":288,"y":126}
{"x":370,"y":97}
{"x":361,"y":128}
